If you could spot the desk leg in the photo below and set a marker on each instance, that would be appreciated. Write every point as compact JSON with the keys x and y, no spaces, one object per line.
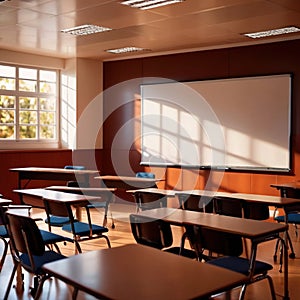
{"x":286,"y":271}
{"x":78,"y":213}
{"x":19,"y":281}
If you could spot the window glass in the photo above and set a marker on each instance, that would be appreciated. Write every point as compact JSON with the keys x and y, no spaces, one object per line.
{"x":28,"y":104}
{"x":46,"y":87}
{"x":28,"y":117}
{"x":47,"y":104}
{"x":27,"y":85}
{"x":7,"y":101}
{"x":7,"y":116}
{"x":7,"y":132}
{"x":47,"y":132}
{"x":28,"y":132}
{"x":7,"y":84}
{"x":28,"y":73}
{"x":49,"y":76}
{"x":7,"y":71}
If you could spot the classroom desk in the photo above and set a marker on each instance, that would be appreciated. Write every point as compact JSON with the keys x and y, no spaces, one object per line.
{"x":139,"y":272}
{"x":59,"y":174}
{"x":288,"y":189}
{"x":35,"y":197}
{"x":100,"y":193}
{"x":4,"y":202}
{"x":277,"y":201}
{"x":127,"y":182}
{"x":256,"y":231}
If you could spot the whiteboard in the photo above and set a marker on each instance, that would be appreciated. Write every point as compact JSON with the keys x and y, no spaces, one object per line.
{"x":236,"y":123}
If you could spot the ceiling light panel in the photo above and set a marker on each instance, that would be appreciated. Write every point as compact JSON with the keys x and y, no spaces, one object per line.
{"x":125,"y":50}
{"x":149,"y":4}
{"x":261,"y":34}
{"x":85,"y":29}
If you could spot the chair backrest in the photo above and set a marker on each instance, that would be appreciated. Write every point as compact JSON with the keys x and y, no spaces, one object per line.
{"x":56,"y":208}
{"x":149,"y":200}
{"x":74,"y":167}
{"x":218,"y":242}
{"x":151,"y":232}
{"x":3,"y":218}
{"x":75,"y":183}
{"x":25,"y":236}
{"x":196,"y":203}
{"x":228,"y":207}
{"x":256,"y":211}
{"x":145,"y":175}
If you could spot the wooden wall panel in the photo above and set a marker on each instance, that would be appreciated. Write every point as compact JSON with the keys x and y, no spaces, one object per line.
{"x":42,"y":158}
{"x":188,"y":66}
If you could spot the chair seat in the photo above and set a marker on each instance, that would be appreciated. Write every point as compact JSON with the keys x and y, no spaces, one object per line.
{"x":3,"y":232}
{"x":291,"y":218}
{"x":47,"y":257}
{"x":240,"y":265}
{"x":184,"y":252}
{"x":83,"y":229}
{"x":58,"y":221}
{"x":52,"y":238}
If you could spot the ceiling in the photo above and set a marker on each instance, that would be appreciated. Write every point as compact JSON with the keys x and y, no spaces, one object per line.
{"x":34,"y":26}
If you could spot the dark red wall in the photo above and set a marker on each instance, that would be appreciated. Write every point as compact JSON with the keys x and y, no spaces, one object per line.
{"x":265,"y":59}
{"x":39,"y":158}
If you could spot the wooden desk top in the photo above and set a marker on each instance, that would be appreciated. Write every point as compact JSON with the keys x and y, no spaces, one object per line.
{"x":91,"y":191}
{"x":126,"y":178}
{"x":55,"y":195}
{"x":264,"y":199}
{"x":205,"y":193}
{"x":53,"y":170}
{"x":5,"y":201}
{"x":244,"y":227}
{"x":140,"y":272}
{"x":290,"y":185}
{"x":127,"y":182}
{"x":169,"y":193}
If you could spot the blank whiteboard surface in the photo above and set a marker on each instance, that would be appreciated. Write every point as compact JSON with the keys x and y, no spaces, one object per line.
{"x":241,"y":123}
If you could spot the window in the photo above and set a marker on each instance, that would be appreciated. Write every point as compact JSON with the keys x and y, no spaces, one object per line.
{"x":28,"y":105}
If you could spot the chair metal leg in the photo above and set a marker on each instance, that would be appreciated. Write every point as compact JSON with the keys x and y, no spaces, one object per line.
{"x":39,"y":287}
{"x":243,"y":292}
{"x":107,"y":241}
{"x":112,"y":221}
{"x":10,"y":281}
{"x":74,"y":294}
{"x":77,"y":247}
{"x":272,"y":289}
{"x":4,"y":253}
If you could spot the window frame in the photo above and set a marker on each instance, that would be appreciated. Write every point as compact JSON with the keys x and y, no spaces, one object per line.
{"x":36,"y":143}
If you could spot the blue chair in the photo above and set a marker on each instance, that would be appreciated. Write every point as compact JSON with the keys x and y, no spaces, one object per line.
{"x":292,"y":216}
{"x":49,"y":238}
{"x":146,"y":200}
{"x":3,"y":237}
{"x":57,"y":221}
{"x":28,"y":251}
{"x":81,"y":231}
{"x":99,"y":205}
{"x":228,"y":249}
{"x":157,"y":234}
